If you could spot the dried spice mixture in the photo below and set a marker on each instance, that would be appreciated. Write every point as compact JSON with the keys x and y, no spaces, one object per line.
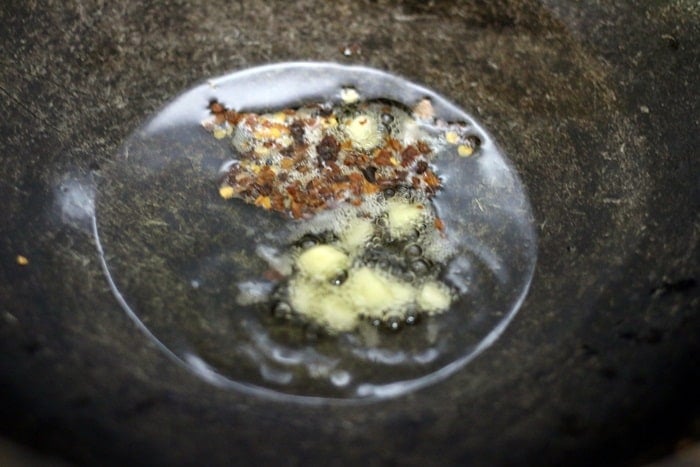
{"x":358,"y":174}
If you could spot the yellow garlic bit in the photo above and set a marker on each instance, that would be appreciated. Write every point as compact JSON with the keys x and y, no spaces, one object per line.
{"x":374,"y":293}
{"x":364,"y":132}
{"x":403,"y":217}
{"x":465,"y":151}
{"x":263,"y":201}
{"x":434,"y":297}
{"x":451,"y":137}
{"x":219,"y":133}
{"x":349,"y":95}
{"x":279,"y":117}
{"x":226,"y":192}
{"x":322,"y":262}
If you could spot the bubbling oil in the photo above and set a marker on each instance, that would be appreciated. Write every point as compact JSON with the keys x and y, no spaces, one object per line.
{"x":307,"y":307}
{"x":361,"y":175}
{"x":379,"y":262}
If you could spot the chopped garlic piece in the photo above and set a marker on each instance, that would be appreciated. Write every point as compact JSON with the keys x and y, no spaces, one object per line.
{"x":227,"y":192}
{"x":322,"y":262}
{"x":357,"y":234}
{"x":219,"y":133}
{"x":403,"y":217}
{"x":434,"y":297}
{"x":349,"y":95}
{"x":424,"y":109}
{"x":374,"y":293}
{"x":363,"y":131}
{"x":464,"y":150}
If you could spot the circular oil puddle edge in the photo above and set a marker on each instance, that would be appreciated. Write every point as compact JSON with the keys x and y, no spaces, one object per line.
{"x":377,"y":392}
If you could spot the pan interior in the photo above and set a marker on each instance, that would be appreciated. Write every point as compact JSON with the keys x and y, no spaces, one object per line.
{"x":177,"y":255}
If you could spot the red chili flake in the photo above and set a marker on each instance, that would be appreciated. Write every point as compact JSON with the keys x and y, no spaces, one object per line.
{"x":387,"y":183}
{"x":325,"y":192}
{"x":298,"y":132}
{"x":293,"y":189}
{"x":431,"y":179}
{"x":356,"y":159}
{"x":264,"y":189}
{"x":393,"y":144}
{"x":266,"y":175}
{"x":408,"y":155}
{"x":340,"y":187}
{"x":300,"y":152}
{"x":233,"y":117}
{"x":296,"y":210}
{"x":277,"y":202}
{"x":423,"y":147}
{"x":273,"y":275}
{"x":369,"y":188}
{"x":216,"y":108}
{"x":356,"y":183}
{"x":328,"y":148}
{"x":439,"y":224}
{"x":383,"y":158}
{"x":350,"y":160}
{"x":332,"y":168}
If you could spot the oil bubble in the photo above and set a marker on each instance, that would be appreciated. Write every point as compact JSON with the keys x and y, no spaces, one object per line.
{"x":309,"y":240}
{"x":420,"y":267}
{"x":394,"y":323}
{"x":339,"y":279}
{"x":412,"y":250}
{"x":474,"y":141}
{"x":412,"y":318}
{"x":281,"y":310}
{"x":413,"y":235}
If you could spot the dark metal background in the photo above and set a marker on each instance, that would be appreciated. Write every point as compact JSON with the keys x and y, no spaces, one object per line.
{"x":595,"y":102}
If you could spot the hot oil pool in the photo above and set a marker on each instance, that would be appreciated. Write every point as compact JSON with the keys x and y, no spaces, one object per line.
{"x":315,"y":231}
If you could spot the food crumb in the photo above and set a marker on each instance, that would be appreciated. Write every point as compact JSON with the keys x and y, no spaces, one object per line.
{"x":226,"y":192}
{"x":349,"y":95}
{"x":22,"y":260}
{"x":424,"y":109}
{"x":219,"y":133}
{"x":451,"y":137}
{"x":465,"y":151}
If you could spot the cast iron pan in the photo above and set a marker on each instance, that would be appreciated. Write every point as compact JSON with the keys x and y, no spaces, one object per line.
{"x":596,"y":107}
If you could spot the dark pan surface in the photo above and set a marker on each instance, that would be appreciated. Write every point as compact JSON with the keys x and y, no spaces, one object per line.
{"x":595,"y":104}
